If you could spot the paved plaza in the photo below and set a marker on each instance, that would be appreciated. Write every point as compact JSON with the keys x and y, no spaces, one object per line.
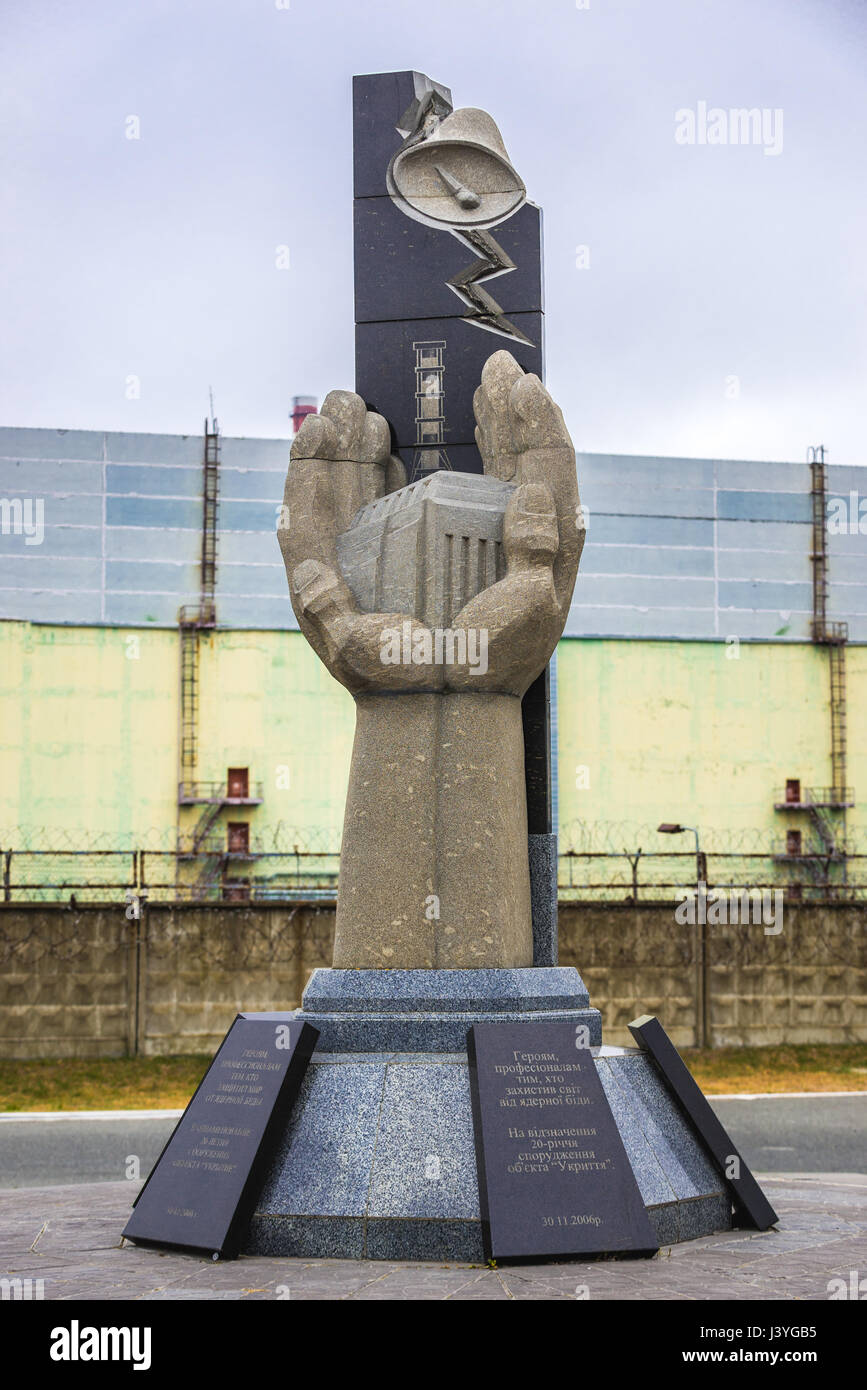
{"x":69,"y":1238}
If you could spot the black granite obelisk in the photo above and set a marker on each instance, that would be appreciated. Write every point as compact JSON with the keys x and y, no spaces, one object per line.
{"x":419,"y":352}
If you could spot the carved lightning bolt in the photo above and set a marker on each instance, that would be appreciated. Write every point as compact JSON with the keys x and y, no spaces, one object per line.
{"x":492,"y":260}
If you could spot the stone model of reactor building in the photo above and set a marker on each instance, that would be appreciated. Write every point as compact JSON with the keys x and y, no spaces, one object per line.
{"x":428,"y":548}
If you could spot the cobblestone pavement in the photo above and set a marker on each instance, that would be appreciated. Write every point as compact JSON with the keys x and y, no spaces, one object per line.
{"x":69,"y":1237}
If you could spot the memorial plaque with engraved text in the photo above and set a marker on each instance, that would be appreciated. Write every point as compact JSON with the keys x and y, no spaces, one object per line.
{"x":201,"y":1190}
{"x":752,"y":1207}
{"x":554,"y":1178}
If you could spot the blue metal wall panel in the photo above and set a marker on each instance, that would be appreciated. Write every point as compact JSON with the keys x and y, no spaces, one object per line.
{"x":56,"y":444}
{"x":152,"y":480}
{"x":763,"y":506}
{"x":151,"y":577}
{"x":144,"y":543}
{"x":762,"y":596}
{"x":33,"y":571}
{"x":692,"y":548}
{"x":153,"y":512}
{"x":649,"y":560}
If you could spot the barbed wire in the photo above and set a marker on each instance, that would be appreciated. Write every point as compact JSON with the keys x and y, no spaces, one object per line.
{"x":617,"y":837}
{"x":578,"y":836}
{"x":279,"y":838}
{"x":598,"y":861}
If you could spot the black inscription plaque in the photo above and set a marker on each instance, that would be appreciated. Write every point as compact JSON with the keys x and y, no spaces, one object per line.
{"x":554,"y":1178}
{"x":752,"y":1207}
{"x":201,"y":1191}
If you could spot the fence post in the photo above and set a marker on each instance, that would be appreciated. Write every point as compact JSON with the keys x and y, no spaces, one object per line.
{"x":136,"y":915}
{"x":141,"y":977}
{"x":703,"y":978}
{"x":131,"y":924}
{"x":633,"y":859}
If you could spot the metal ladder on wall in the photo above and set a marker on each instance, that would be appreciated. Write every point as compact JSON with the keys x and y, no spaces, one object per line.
{"x":189,"y":634}
{"x":192,"y":621}
{"x":833,"y":636}
{"x":210,"y":509}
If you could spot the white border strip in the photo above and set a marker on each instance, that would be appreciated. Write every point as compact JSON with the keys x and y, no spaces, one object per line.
{"x":783,"y":1095}
{"x":13,"y":1116}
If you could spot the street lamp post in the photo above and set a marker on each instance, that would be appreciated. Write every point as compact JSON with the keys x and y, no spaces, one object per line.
{"x":702,"y":990}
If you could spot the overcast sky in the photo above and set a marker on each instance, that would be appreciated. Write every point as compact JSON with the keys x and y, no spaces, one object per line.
{"x":722,"y":313}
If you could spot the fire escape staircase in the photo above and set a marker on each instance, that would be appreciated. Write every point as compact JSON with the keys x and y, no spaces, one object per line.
{"x":216,"y":854}
{"x":828,"y":845}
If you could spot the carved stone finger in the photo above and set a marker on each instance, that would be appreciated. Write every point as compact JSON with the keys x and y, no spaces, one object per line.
{"x":348,"y":414}
{"x":491,"y":407}
{"x":530,"y":531}
{"x":395,"y":474}
{"x":536,"y":421}
{"x":317,"y":438}
{"x":375,"y":442}
{"x":308,"y":526}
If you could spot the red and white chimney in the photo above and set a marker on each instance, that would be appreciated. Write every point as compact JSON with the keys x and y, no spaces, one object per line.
{"x":302,"y":406}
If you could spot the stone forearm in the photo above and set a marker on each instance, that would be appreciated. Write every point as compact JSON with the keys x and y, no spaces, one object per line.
{"x":434,"y":869}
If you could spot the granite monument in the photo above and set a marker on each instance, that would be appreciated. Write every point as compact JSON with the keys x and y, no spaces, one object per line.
{"x":432,"y":530}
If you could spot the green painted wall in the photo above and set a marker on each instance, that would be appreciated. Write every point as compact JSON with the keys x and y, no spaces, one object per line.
{"x":665,"y":730}
{"x":686,"y":731}
{"x":88,"y":734}
{"x":89,"y":730}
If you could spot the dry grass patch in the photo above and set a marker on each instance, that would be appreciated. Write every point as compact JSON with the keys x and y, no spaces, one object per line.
{"x":105,"y":1083}
{"x":799,"y":1067}
{"x":166,"y":1083}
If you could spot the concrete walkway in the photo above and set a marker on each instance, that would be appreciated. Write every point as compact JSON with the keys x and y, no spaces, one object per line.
{"x":69,"y":1237}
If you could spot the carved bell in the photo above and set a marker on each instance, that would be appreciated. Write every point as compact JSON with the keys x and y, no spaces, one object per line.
{"x":457,"y":175}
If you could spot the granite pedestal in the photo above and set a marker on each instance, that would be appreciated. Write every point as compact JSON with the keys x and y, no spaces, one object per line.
{"x":378,"y":1159}
{"x":431,"y":1010}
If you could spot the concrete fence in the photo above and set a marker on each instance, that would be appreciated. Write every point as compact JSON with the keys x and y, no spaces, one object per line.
{"x":91,"y":982}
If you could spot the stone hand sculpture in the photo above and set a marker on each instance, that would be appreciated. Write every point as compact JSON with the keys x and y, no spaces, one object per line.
{"x":434,"y":868}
